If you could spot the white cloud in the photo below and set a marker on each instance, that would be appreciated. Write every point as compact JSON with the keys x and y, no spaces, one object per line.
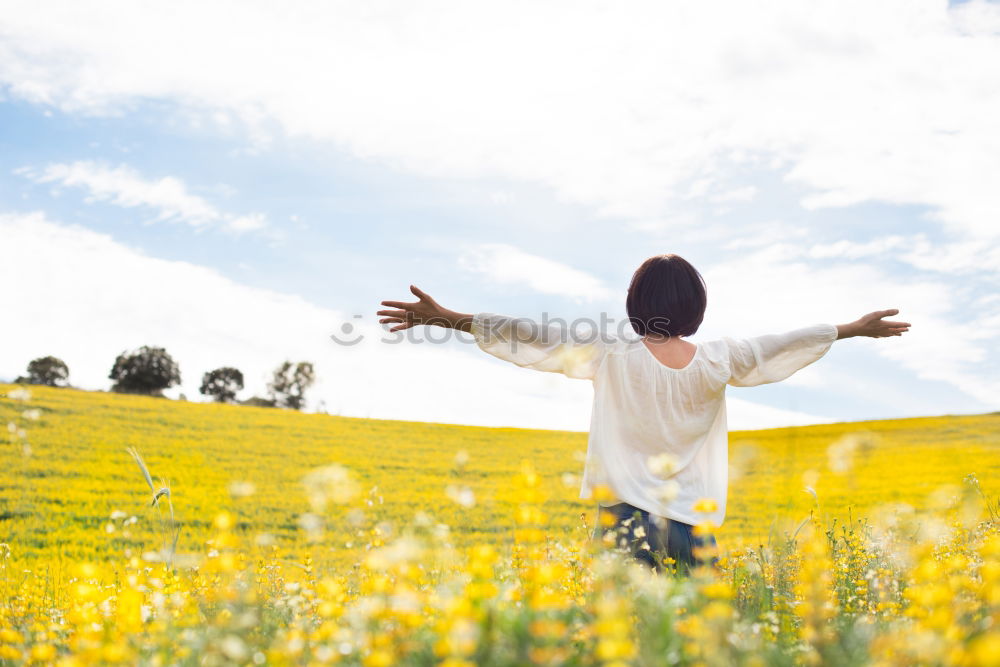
{"x":763,"y":234}
{"x":624,"y":109}
{"x":745,"y":415}
{"x":745,"y":193}
{"x":124,"y":186}
{"x":855,"y":250}
{"x":782,"y":287}
{"x":90,"y":298}
{"x":979,"y":258}
{"x":961,"y":257}
{"x":506,"y":265}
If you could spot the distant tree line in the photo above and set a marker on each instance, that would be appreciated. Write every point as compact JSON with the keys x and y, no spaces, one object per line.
{"x":151,"y":370}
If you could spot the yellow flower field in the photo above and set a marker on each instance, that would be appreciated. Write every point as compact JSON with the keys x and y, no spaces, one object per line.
{"x":313,"y":539}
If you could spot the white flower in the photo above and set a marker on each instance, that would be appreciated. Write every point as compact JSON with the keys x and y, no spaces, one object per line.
{"x":312,"y":525}
{"x":575,"y":359}
{"x":234,"y":648}
{"x":19,"y":395}
{"x":242,"y":489}
{"x":662,"y":465}
{"x":462,"y":495}
{"x":842,"y":452}
{"x":332,"y":483}
{"x":667,"y":492}
{"x":403,"y":550}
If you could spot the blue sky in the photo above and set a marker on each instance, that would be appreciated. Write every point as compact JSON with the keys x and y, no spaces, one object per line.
{"x":170,"y":181}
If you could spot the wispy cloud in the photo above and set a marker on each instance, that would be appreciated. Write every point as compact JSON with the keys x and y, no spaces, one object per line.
{"x":506,"y":265}
{"x":168,"y":198}
{"x":955,"y":328}
{"x":848,"y":110}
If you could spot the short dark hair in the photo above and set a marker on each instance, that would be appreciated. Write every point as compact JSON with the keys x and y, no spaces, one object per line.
{"x":667,"y":297}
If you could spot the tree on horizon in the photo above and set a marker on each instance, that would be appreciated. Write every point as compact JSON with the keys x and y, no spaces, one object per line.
{"x":288,"y":386}
{"x":148,"y":370}
{"x":49,"y":371}
{"x":222,"y":384}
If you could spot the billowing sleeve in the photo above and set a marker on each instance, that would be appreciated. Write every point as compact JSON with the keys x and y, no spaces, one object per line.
{"x":551,"y":348}
{"x":774,"y":357}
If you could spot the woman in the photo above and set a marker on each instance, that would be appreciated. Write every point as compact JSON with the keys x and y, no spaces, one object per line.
{"x":658,"y":441}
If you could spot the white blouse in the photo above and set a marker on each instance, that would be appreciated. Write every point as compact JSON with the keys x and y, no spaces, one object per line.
{"x":658,"y":435}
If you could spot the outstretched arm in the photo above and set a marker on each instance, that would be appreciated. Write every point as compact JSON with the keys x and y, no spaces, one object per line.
{"x":541,"y":347}
{"x":774,"y":357}
{"x":873,"y":325}
{"x":424,"y":310}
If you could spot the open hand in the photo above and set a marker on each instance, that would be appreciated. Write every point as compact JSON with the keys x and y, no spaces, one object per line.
{"x":874,"y":325}
{"x":424,"y":310}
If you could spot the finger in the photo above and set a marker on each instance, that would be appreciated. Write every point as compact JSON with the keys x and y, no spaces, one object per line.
{"x":391,"y":320}
{"x":393,"y":313}
{"x":887,"y":313}
{"x":399,"y":304}
{"x":897,"y":324}
{"x":401,"y":327}
{"x":424,"y":296}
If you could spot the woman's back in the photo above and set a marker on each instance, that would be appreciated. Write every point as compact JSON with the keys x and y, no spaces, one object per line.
{"x":673,"y":353}
{"x":658,"y":435}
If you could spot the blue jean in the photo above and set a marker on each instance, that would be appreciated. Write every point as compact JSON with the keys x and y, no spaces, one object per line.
{"x":658,"y":538}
